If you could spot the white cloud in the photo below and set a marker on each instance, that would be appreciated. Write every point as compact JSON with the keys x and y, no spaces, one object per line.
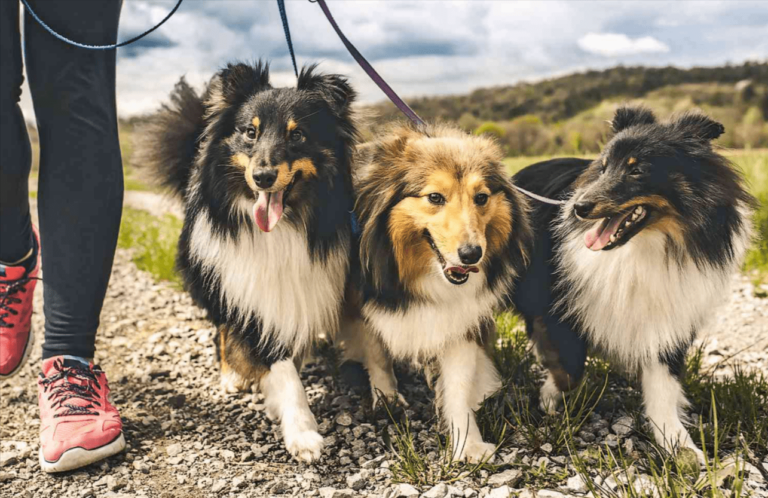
{"x":428,"y":47}
{"x":617,"y":44}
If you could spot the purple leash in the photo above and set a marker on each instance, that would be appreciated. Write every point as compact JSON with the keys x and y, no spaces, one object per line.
{"x":404,"y":108}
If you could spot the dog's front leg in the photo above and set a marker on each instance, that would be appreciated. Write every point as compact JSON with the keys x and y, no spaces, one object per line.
{"x":286,"y":402}
{"x":467,"y":377}
{"x":665,"y":405}
{"x":361,"y":344}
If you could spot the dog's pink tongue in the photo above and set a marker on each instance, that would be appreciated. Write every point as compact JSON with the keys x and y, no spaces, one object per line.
{"x":599,"y":235}
{"x":268,"y":210}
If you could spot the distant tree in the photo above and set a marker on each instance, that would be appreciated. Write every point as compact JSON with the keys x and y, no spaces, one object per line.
{"x":468,"y":122}
{"x":490,"y":128}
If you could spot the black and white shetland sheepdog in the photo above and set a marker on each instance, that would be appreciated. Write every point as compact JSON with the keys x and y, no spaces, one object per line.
{"x":265,"y":177}
{"x":636,"y":260}
{"x":443,"y":236}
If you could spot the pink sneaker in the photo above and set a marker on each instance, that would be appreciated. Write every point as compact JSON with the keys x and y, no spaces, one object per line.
{"x":78,"y":425}
{"x":17,"y":289}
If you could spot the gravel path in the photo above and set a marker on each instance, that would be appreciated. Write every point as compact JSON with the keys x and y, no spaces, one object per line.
{"x":187,"y":439}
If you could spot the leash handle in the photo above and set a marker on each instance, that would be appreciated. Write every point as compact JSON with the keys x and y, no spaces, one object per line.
{"x":287,"y":31}
{"x":404,"y":108}
{"x":96,"y":47}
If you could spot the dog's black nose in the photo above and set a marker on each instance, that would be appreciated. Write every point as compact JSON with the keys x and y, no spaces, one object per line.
{"x":264,"y":177}
{"x":583,"y":208}
{"x":469,"y":254}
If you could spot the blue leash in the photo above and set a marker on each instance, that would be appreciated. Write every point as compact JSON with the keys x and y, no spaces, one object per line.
{"x":287,"y":31}
{"x":96,"y":47}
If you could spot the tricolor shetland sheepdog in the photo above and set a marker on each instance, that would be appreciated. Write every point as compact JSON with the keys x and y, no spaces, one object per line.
{"x":443,"y":236}
{"x":637,"y":259}
{"x":265,"y":177}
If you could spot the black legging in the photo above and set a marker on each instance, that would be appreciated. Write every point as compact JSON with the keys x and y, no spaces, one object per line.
{"x":80,"y":188}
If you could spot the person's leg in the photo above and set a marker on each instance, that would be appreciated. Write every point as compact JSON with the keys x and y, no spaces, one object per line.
{"x":19,"y":262}
{"x":15,"y":150}
{"x":80,"y":200}
{"x":81,"y":181}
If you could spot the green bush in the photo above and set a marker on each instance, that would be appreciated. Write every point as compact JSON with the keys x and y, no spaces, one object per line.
{"x":490,"y":128}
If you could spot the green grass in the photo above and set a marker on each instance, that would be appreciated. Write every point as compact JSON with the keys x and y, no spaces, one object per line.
{"x":135,"y":183}
{"x":428,"y":464}
{"x":153,"y":240}
{"x":730,"y":436}
{"x":755,"y":167}
{"x":745,"y":427}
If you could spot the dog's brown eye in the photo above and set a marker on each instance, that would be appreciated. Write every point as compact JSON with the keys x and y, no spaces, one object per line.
{"x":481,"y":199}
{"x":250,"y":133}
{"x":296,"y":136}
{"x":636,"y":172}
{"x":436,"y":199}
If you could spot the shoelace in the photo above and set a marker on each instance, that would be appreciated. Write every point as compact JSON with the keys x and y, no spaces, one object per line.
{"x":67,"y":390}
{"x":7,"y":289}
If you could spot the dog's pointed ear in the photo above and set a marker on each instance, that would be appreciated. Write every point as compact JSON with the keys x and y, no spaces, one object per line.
{"x":332,"y":88}
{"x":631,"y":116}
{"x":233,"y":84}
{"x":697,"y":125}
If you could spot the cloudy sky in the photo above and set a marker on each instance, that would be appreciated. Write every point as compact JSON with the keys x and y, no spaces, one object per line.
{"x":427,"y":47}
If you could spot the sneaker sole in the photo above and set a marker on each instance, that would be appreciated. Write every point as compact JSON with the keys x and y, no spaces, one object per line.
{"x":74,"y":458}
{"x":24,"y":356}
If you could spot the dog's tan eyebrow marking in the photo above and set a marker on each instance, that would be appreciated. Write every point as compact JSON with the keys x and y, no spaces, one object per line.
{"x":631,"y":161}
{"x":256,"y":122}
{"x":292,"y":125}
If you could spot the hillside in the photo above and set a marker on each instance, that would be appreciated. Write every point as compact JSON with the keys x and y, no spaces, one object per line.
{"x":568,"y":114}
{"x":561,"y":98}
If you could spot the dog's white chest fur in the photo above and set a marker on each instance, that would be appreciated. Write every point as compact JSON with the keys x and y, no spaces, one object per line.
{"x":426,"y":329}
{"x":272,"y":276}
{"x":634,"y":302}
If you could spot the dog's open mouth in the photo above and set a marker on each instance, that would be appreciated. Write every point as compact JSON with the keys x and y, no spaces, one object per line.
{"x":456,"y":275}
{"x":269,"y":206}
{"x":615,"y":230}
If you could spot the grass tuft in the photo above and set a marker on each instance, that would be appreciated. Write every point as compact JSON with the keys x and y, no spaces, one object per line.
{"x":153,"y":240}
{"x":741,"y":400}
{"x":427,"y":464}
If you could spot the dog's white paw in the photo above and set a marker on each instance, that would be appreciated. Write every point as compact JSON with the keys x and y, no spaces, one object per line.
{"x":391,"y":398}
{"x":305,"y":446}
{"x":550,"y":397}
{"x":680,"y":441}
{"x":477,"y":451}
{"x":232,"y":383}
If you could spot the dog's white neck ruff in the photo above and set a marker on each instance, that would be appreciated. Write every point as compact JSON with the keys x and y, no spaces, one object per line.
{"x":635,"y":302}
{"x":450,"y":313}
{"x":272,"y":277}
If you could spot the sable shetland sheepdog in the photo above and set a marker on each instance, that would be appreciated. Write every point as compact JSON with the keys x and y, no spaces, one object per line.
{"x":265,"y":177}
{"x":443,"y":236}
{"x":634,"y":262}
